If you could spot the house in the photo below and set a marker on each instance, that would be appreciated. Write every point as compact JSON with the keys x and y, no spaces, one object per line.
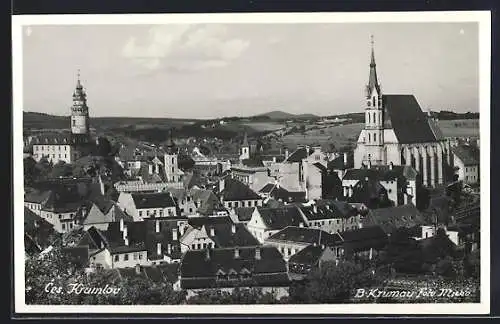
{"x":267,"y":221}
{"x":400,"y":182}
{"x":100,"y":212}
{"x":310,"y":258}
{"x":163,"y":238}
{"x":227,"y":268}
{"x":215,"y":232}
{"x":251,"y":170}
{"x":303,"y":171}
{"x":234,"y":193}
{"x":34,"y":199}
{"x":340,"y":164}
{"x":466,"y":162}
{"x":122,"y":245}
{"x":393,"y":218}
{"x":293,"y":239}
{"x":331,"y":216}
{"x":275,"y":191}
{"x":368,"y":192}
{"x":60,"y":209}
{"x":143,"y":205}
{"x":362,"y":243}
{"x":195,"y":201}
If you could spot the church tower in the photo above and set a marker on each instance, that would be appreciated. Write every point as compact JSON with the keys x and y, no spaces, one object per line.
{"x":374,"y":118}
{"x":79,"y":110}
{"x":172,"y":172}
{"x":245,"y":149}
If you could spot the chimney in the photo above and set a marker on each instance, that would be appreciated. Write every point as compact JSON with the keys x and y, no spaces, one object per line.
{"x":221,"y":185}
{"x":351,"y":191}
{"x":157,"y":223}
{"x":257,"y":253}
{"x":101,"y":185}
{"x":212,"y":231}
{"x":125,"y":233}
{"x":315,"y":209}
{"x":274,"y":159}
{"x":345,"y":159}
{"x":236,"y":253}
{"x":150,"y":168}
{"x":233,"y":228}
{"x":369,"y":164}
{"x":405,"y":195}
{"x":286,"y":154}
{"x":391,"y":165}
{"x":138,"y":269}
{"x":174,"y":234}
{"x":346,"y":191}
{"x":121,"y":224}
{"x":169,"y":248}
{"x":181,"y":230}
{"x":207,"y":255}
{"x":158,"y":248}
{"x":322,"y":246}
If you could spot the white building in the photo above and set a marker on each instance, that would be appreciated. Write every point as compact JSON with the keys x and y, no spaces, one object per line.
{"x":466,"y":162}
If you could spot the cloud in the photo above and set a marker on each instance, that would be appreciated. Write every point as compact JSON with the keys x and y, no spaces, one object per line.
{"x":184,"y":48}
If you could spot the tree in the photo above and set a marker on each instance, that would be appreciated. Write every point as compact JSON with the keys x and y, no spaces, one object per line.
{"x":31,"y":172}
{"x":104,"y":147}
{"x":242,"y":296}
{"x":61,"y":169}
{"x":333,"y":283}
{"x":185,"y":162}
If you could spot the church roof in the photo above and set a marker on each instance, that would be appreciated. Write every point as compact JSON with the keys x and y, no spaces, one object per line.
{"x":403,"y":114}
{"x":466,"y":154}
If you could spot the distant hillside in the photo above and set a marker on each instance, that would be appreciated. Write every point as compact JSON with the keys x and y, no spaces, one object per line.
{"x":281,"y":115}
{"x":35,"y":120}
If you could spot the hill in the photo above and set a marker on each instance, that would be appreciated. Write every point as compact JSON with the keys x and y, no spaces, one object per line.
{"x":281,"y":115}
{"x":35,"y":120}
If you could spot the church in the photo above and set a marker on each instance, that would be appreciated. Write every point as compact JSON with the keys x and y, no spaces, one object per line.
{"x":398,"y":132}
{"x":68,"y":147}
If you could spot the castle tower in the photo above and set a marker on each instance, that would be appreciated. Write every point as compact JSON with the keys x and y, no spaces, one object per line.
{"x":245,"y":149}
{"x":374,"y":118}
{"x":79,"y":110}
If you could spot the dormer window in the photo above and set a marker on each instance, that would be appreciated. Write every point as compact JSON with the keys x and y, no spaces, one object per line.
{"x":232,"y":275}
{"x":221,"y":275}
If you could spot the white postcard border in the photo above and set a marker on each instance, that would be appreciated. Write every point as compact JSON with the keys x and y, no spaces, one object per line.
{"x":482,"y":17}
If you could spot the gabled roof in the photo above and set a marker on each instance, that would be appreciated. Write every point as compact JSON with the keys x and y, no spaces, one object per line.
{"x":254,"y":162}
{"x":467,"y":154}
{"x":321,"y":167}
{"x":278,"y":218}
{"x":153,"y":200}
{"x":59,"y":139}
{"x":199,"y":271}
{"x":166,"y":237}
{"x":305,"y":235}
{"x":280,"y":193}
{"x":403,"y":114}
{"x":329,"y":208}
{"x":392,"y":218}
{"x":363,"y":239}
{"x":310,"y":255}
{"x":244,"y":214}
{"x":37,"y":196}
{"x":267,"y":188}
{"x":298,"y":155}
{"x":235,"y":190}
{"x":199,"y":222}
{"x":224,"y":237}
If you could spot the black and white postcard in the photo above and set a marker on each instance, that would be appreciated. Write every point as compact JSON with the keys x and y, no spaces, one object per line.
{"x":307,"y":163}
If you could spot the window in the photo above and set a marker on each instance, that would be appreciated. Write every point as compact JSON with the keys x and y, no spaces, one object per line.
{"x":64,"y":226}
{"x":125,"y":257}
{"x":230,"y":204}
{"x":173,"y":162}
{"x":172,"y":170}
{"x":135,"y":256}
{"x":193,"y":247}
{"x":74,"y":123}
{"x":140,"y":213}
{"x":198,"y":246}
{"x":190,"y":210}
{"x":373,"y":101}
{"x":236,"y":204}
{"x":375,"y":137}
{"x":369,"y":138}
{"x":117,"y":258}
{"x":161,"y":212}
{"x":140,"y":256}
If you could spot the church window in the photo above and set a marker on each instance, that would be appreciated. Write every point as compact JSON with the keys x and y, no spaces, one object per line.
{"x":369,"y":119}
{"x":172,"y":169}
{"x":374,"y":118}
{"x":173,"y":161}
{"x":369,"y":103}
{"x":369,"y":137}
{"x":375,"y":137}
{"x":373,"y":101}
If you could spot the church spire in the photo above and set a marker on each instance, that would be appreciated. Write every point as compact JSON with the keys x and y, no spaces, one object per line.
{"x":245,"y":140}
{"x":372,"y":80}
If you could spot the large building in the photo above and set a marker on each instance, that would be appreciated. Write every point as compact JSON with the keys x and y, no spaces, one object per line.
{"x":67,"y":147}
{"x":397,"y":131}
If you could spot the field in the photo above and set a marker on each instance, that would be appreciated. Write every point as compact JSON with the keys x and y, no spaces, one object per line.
{"x":460,"y":128}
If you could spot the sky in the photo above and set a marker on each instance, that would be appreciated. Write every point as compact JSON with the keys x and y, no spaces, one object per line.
{"x":220,"y":70}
